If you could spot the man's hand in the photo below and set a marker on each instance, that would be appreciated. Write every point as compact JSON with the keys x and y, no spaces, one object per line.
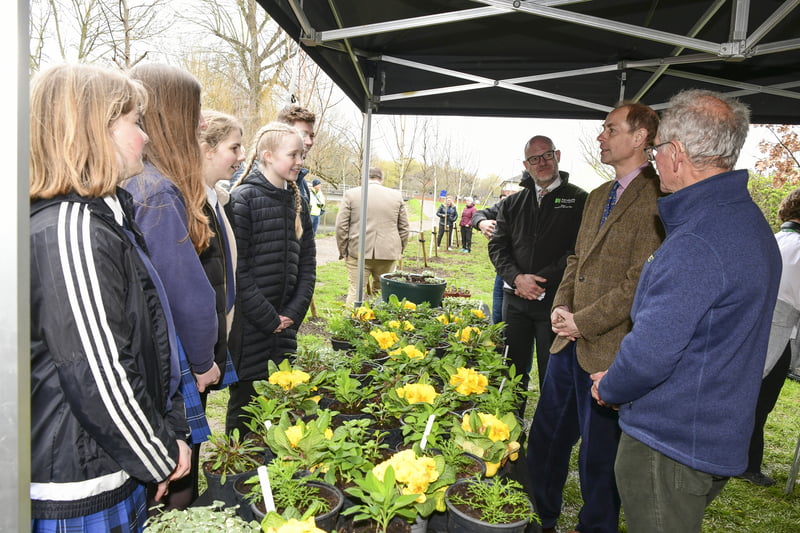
{"x":487,"y":227}
{"x":528,"y":286}
{"x":285,"y":323}
{"x":563,"y":323}
{"x":597,"y":377}
{"x":207,"y":378}
{"x":181,"y":469}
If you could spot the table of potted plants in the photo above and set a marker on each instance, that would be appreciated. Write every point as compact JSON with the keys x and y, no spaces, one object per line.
{"x":402,"y":428}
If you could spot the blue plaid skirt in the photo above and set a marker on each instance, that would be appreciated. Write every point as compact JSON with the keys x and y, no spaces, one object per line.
{"x":127,"y":516}
{"x":195,"y":414}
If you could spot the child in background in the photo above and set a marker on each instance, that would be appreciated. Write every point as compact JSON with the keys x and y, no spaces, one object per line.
{"x":169,"y":195}
{"x":104,"y":419}
{"x":276,"y":270}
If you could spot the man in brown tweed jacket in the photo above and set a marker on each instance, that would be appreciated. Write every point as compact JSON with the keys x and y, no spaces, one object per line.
{"x":590,"y":316}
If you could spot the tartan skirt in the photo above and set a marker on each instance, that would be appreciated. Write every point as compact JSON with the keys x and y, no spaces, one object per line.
{"x":127,"y":516}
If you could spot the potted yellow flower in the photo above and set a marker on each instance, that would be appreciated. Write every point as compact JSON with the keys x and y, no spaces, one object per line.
{"x":492,"y":438}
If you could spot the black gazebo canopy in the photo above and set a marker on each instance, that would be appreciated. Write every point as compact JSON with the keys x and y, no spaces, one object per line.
{"x":550,"y":58}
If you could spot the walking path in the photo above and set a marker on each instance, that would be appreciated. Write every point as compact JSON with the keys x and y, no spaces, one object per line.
{"x":327,"y":251}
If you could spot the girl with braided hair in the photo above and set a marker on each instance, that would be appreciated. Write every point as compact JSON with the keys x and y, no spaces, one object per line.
{"x":276,"y":268}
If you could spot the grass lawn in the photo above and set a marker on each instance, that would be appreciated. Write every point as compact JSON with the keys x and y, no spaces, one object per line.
{"x":742,"y":507}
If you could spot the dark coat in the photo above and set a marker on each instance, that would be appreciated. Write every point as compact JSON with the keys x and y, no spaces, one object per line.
{"x":275,"y":274}
{"x":95,"y":433}
{"x":213,"y":260}
{"x":534,"y":239}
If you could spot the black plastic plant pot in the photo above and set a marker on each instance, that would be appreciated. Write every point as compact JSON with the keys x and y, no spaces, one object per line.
{"x":461,"y":522}
{"x":413,"y":292}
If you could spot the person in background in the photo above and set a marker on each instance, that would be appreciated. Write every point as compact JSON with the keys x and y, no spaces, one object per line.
{"x":782,"y":335}
{"x":97,"y":437}
{"x":466,"y":225}
{"x":386,"y":233}
{"x":169,"y":197}
{"x":317,"y":204}
{"x":277,"y":261}
{"x":447,"y":214}
{"x":686,"y":378}
{"x":591,"y":313}
{"x":485,"y":221}
{"x":303,"y":121}
{"x":535,"y":233}
{"x":221,"y":146}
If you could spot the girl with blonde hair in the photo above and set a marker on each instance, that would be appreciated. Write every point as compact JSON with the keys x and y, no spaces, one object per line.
{"x":277,"y":260}
{"x":105,"y":419}
{"x":169,"y":195}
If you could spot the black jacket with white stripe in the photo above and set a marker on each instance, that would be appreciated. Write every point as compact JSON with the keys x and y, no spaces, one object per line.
{"x":102,"y":419}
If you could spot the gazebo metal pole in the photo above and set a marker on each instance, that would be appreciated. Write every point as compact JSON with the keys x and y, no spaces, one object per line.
{"x":362,"y":231}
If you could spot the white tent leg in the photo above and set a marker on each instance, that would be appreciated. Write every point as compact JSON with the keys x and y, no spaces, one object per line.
{"x":362,"y":231}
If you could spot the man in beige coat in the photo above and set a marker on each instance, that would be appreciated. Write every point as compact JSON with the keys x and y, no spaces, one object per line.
{"x":590,"y":316}
{"x":386,"y":233}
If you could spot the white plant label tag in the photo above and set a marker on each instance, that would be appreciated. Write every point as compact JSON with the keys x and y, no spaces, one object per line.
{"x":266,"y":488}
{"x":428,"y":427}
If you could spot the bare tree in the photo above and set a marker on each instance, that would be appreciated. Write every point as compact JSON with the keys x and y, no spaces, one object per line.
{"x":129,"y":24}
{"x":88,"y":31}
{"x":404,"y":130}
{"x":260,"y":50}
{"x":65,"y":30}
{"x":590,"y":154}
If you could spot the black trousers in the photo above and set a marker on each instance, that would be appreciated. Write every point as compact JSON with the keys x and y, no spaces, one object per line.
{"x":240,"y":395}
{"x":528,"y":327}
{"x":466,"y":238}
{"x":442,"y":231}
{"x":771,"y":387}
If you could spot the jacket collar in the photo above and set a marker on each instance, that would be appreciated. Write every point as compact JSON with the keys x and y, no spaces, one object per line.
{"x":680,"y":206}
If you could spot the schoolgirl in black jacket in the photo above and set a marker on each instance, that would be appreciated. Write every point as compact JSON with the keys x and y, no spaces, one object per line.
{"x":276,"y":268}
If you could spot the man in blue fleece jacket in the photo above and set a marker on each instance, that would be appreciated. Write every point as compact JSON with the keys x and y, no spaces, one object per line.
{"x":686,"y":378}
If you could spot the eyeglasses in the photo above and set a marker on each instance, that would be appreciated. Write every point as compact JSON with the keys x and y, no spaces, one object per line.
{"x":547,"y":156}
{"x":652,"y":151}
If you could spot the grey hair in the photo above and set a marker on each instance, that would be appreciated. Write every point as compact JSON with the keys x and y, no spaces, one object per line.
{"x":711,"y":126}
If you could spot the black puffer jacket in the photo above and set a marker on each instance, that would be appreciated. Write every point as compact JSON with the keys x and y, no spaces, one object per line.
{"x":275,"y":274}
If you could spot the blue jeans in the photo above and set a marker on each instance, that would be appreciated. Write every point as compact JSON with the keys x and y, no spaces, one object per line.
{"x":497,"y":300}
{"x":565,"y":412}
{"x":314,"y":223}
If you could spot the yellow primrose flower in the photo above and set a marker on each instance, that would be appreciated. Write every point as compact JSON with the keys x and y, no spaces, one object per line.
{"x":412,"y":352}
{"x":491,"y":468}
{"x":385,"y":339}
{"x":497,"y":429}
{"x":409,"y":305}
{"x":405,"y":325}
{"x":363,"y":313}
{"x":468,"y":333}
{"x":289,"y":379}
{"x":398,"y":351}
{"x":512,"y":450}
{"x":417,"y":392}
{"x":328,"y":433}
{"x":294,"y":434}
{"x":394,"y":324}
{"x":478,"y":313}
{"x":294,"y":525}
{"x":408,"y":326}
{"x":468,"y":381}
{"x":413,"y":473}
